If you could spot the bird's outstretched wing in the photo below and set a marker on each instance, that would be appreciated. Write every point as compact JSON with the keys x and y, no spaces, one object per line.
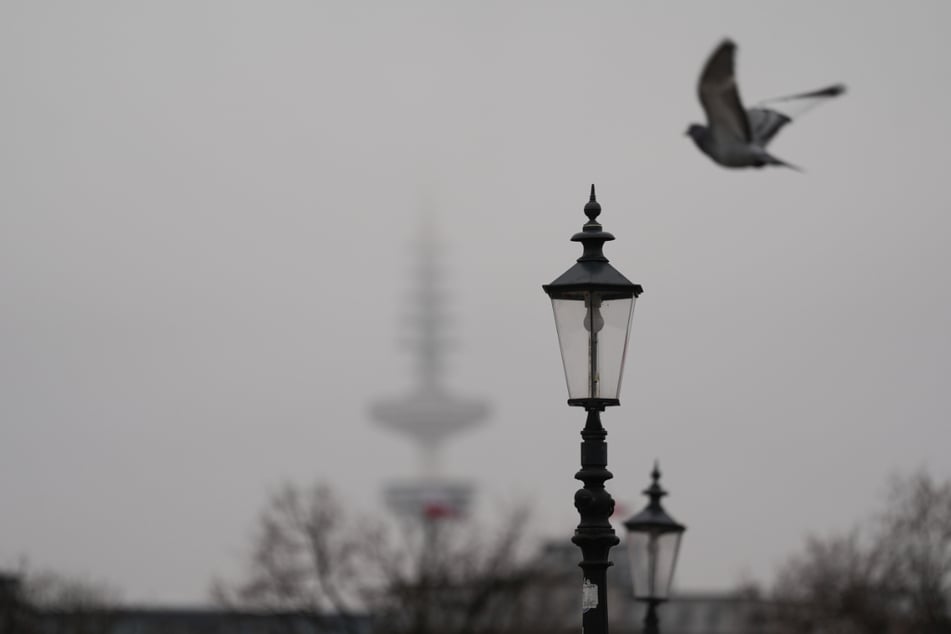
{"x":764,"y":124}
{"x":720,"y":97}
{"x":769,"y":116}
{"x":793,"y":106}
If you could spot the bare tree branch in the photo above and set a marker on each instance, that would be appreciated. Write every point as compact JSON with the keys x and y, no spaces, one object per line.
{"x":893,"y":577}
{"x":424,"y":577}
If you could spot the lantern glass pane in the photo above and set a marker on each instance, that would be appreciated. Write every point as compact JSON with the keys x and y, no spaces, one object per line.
{"x":653,"y":557}
{"x":593,"y":334}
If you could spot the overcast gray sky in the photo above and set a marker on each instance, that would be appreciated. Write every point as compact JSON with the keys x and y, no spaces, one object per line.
{"x":207,"y":210}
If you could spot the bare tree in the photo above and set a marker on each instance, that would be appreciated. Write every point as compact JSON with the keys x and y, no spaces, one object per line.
{"x":432,"y":576}
{"x":304,"y":562}
{"x":916,"y":535}
{"x":15,"y":613}
{"x":892,"y":577}
{"x":53,"y":603}
{"x":71,"y":605}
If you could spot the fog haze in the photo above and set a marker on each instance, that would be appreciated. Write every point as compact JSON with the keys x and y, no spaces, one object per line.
{"x":208,"y":211}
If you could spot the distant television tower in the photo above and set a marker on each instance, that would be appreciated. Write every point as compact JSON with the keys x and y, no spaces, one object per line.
{"x":429,"y":414}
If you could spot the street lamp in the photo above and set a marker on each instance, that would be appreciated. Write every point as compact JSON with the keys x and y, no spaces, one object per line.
{"x":593,"y":304}
{"x":653,"y":541}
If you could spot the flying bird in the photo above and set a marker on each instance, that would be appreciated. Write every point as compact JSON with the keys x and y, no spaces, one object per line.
{"x":735,"y":136}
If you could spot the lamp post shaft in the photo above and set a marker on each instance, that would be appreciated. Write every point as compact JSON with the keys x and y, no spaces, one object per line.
{"x":651,"y":622}
{"x":594,"y":535}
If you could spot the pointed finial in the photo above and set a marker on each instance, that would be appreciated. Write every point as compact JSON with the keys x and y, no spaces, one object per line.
{"x":592,"y":236}
{"x":593,"y":208}
{"x":655,"y":491}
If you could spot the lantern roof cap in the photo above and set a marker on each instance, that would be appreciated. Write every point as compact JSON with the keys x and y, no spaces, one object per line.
{"x":653,"y":518}
{"x":593,"y":272}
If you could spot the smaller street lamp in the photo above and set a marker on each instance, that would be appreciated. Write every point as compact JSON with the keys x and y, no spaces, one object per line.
{"x":653,"y":542}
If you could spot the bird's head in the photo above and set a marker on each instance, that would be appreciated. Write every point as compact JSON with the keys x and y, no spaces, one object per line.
{"x":696,"y":132}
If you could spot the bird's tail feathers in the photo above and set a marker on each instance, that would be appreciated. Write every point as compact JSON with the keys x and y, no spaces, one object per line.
{"x":794,"y":106}
{"x":772,"y":160}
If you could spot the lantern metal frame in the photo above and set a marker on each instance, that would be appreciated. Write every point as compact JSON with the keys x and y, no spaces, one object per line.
{"x":591,"y":277}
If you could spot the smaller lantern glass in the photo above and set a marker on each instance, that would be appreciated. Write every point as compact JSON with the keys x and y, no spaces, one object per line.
{"x":653,"y":544}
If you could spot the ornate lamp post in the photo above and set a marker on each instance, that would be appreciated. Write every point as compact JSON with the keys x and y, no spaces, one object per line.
{"x":653,"y":541}
{"x":593,"y":304}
